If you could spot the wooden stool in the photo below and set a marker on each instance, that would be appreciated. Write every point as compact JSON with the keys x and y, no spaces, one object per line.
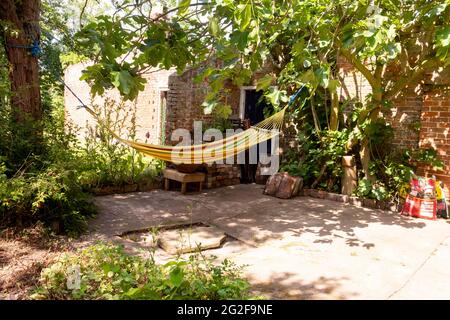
{"x":184,"y":178}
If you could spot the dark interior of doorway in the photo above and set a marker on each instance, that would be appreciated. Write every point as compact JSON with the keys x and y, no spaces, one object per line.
{"x":255,"y":106}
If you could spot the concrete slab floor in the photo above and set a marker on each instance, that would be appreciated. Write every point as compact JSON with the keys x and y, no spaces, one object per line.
{"x":301,"y":248}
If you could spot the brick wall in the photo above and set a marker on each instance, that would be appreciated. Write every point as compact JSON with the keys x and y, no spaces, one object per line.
{"x":404,"y":113}
{"x":435,"y":129}
{"x":184,"y":99}
{"x":420,"y":114}
{"x":184,"y":102}
{"x":147,"y":106}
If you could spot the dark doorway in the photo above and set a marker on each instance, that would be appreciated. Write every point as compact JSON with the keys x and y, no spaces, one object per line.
{"x":162,"y":118}
{"x":255,"y":107}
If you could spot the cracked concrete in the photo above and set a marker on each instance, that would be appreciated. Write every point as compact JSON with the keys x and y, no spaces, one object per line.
{"x":302,"y":248}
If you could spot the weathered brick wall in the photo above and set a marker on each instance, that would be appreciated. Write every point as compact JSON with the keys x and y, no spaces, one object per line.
{"x":420,"y":114}
{"x":435,"y":129}
{"x":185,"y":99}
{"x":184,"y":102}
{"x":404,"y":114}
{"x":219,"y":175}
{"x":147,"y":106}
{"x":354,"y":85}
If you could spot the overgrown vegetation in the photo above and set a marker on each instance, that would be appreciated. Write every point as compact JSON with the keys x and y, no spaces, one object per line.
{"x":317,"y":156}
{"x":297,"y":43}
{"x":46,"y":173}
{"x":106,"y":272}
{"x":55,"y":185}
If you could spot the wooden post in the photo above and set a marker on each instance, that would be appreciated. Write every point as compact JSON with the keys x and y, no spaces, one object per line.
{"x":166,"y":184}
{"x":349,"y":179}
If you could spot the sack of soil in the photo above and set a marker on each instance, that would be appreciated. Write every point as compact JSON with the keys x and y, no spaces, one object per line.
{"x":421,"y":201}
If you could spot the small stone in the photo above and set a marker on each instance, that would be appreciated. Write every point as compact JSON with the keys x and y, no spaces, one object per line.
{"x":356,"y":201}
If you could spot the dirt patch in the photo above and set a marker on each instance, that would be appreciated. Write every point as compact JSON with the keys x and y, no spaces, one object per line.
{"x":23,"y":254}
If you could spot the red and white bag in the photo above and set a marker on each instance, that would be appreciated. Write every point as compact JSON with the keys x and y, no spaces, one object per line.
{"x":421,"y":201}
{"x":420,"y":208}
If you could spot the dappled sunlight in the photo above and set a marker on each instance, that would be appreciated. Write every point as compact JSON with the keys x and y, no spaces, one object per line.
{"x":298,"y":248}
{"x":287,"y":285}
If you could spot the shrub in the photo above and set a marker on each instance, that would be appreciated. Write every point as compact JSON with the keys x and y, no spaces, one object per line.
{"x":106,"y":272}
{"x":52,"y":196}
{"x":104,"y":161}
{"x":394,"y":172}
{"x":321,"y":161}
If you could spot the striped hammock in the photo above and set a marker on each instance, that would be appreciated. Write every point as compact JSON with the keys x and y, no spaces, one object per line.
{"x":208,"y":152}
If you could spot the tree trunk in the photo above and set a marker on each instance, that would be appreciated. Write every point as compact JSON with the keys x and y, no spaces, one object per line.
{"x":23,"y":17}
{"x":334,"y":117}
{"x":364,"y":153}
{"x":365,"y":147}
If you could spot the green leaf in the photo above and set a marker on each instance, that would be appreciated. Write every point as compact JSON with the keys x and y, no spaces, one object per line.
{"x":208,"y":106}
{"x":122,"y":80}
{"x":333,"y":84}
{"x":437,"y":10}
{"x":246,"y":17}
{"x":176,"y":276}
{"x":264,"y":82}
{"x":275,"y":96}
{"x":443,"y":36}
{"x":369,"y":33}
{"x":322,"y":76}
{"x":183,"y":6}
{"x":214,"y":26}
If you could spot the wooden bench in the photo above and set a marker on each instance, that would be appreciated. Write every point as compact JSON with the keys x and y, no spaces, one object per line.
{"x":184,"y":178}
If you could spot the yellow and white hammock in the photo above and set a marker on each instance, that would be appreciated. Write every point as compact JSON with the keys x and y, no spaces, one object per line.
{"x":208,"y":152}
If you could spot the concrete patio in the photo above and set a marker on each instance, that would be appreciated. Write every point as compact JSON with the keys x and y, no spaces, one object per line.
{"x":302,"y":248}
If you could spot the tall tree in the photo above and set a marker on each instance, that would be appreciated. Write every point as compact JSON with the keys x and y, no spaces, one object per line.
{"x":20,"y":20}
{"x":300,"y":39}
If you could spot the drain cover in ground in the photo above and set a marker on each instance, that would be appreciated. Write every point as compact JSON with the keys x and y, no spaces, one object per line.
{"x":191,"y":239}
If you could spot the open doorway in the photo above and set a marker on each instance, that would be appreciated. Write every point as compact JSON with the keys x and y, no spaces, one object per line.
{"x":162,"y":117}
{"x":253,"y":107}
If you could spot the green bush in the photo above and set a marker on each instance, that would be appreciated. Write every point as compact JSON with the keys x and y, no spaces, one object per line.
{"x":317,"y":156}
{"x":106,"y":272}
{"x":53,"y":185}
{"x":101,"y":160}
{"x":52,"y":196}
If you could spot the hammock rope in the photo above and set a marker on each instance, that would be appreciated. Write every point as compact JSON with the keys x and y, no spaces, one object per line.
{"x":208,"y":152}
